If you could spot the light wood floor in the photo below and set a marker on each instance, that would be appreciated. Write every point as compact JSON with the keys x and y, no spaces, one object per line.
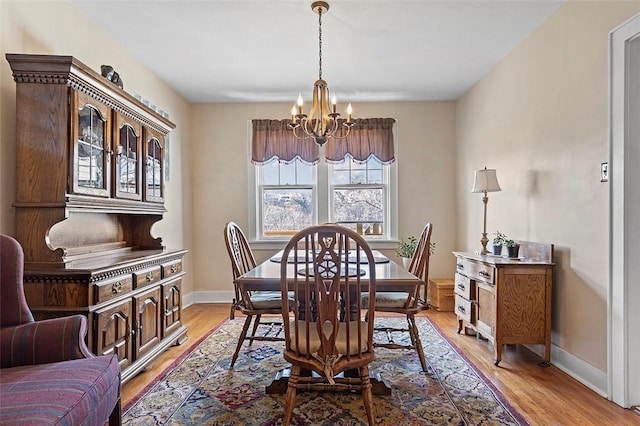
{"x":545,"y":396}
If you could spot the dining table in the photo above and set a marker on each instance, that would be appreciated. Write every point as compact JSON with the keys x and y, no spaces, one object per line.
{"x":390,"y":277}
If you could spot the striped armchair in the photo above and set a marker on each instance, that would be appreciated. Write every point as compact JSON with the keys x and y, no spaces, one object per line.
{"x":48,"y":375}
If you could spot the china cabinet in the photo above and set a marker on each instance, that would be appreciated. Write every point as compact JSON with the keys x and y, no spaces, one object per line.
{"x":89,"y":188}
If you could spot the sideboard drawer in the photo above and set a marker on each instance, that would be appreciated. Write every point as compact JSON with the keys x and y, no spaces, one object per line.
{"x":475,"y":270}
{"x":463,"y":308}
{"x":147,"y":276}
{"x":464,"y":286}
{"x":107,"y":290}
{"x":171,"y":268}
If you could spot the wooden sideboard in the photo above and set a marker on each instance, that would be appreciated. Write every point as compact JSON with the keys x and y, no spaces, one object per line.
{"x":89,"y":188}
{"x":507,"y":301}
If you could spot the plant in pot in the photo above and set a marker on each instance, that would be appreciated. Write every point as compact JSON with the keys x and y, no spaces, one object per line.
{"x":512,"y":247}
{"x":406,"y":249}
{"x":498,"y":241}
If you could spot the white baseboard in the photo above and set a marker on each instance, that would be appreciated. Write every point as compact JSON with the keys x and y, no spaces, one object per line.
{"x":588,"y":375}
{"x":585,"y":373}
{"x":207,"y":297}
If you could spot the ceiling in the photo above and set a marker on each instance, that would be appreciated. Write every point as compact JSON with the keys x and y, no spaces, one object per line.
{"x":267,"y":51}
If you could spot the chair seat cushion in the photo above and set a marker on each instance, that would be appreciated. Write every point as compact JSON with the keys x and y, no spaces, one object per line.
{"x":340,"y":340}
{"x":76,"y":392}
{"x":388,"y":299}
{"x":267,"y":299}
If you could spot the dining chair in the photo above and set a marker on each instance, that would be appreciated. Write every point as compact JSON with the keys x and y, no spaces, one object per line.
{"x":408,"y":304}
{"x":326,"y":333}
{"x":252,"y":304}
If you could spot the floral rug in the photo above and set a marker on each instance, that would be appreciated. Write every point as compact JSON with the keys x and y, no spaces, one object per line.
{"x":200,"y":389}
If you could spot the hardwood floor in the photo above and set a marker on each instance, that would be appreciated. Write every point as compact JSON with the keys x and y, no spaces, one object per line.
{"x":545,"y":396}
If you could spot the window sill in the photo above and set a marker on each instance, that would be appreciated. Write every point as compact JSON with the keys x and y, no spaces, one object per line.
{"x":279,"y":245}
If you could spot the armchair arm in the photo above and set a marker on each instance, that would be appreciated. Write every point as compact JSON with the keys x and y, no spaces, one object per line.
{"x":41,"y":342}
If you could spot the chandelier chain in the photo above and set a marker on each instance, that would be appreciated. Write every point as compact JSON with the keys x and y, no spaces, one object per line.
{"x":320,"y":44}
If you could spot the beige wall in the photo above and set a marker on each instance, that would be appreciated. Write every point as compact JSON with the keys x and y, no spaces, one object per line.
{"x":426,"y":141}
{"x":43,"y":27}
{"x":541,"y":119}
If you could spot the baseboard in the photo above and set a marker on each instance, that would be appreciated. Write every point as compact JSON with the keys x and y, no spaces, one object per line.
{"x":207,"y":297}
{"x":585,"y":373}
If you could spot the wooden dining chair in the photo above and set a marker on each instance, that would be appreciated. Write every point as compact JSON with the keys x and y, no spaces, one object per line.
{"x":408,"y":304}
{"x":252,"y":304}
{"x":326,"y":334}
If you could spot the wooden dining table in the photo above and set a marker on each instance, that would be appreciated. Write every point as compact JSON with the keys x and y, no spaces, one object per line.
{"x":390,"y":277}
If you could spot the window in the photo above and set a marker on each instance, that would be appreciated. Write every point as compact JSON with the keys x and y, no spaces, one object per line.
{"x":358,"y":195}
{"x":290,"y":194}
{"x":286,"y":195}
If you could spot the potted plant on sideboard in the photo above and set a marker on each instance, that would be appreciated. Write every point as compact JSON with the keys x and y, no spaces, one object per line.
{"x":497,"y":242}
{"x":512,"y":247}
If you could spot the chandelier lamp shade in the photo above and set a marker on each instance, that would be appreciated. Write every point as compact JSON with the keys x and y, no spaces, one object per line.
{"x":322,"y":122}
{"x":485,"y":181}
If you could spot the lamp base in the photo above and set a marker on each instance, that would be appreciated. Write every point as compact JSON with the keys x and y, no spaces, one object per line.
{"x":484,"y":240}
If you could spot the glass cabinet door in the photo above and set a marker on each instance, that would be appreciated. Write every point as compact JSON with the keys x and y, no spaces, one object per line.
{"x":91,"y":148}
{"x":127,"y":158}
{"x":154,"y":166}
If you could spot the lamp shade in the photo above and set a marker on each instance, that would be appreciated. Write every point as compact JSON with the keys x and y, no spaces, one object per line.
{"x":486,"y":180}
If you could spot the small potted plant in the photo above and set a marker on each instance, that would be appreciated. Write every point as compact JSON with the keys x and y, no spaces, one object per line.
{"x":406,"y":249}
{"x":512,"y":247}
{"x":498,"y":241}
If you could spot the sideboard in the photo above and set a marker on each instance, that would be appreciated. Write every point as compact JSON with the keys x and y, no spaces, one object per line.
{"x":507,"y":300}
{"x":89,"y":188}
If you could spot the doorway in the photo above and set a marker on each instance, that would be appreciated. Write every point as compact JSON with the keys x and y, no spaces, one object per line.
{"x":624,"y":292}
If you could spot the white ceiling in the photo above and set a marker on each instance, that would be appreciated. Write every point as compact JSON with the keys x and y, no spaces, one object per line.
{"x":264,"y":51}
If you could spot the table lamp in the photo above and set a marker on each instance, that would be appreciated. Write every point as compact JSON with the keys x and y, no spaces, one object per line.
{"x":485,"y":181}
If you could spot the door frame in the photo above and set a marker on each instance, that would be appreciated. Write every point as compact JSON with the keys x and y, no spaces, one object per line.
{"x":624,"y":250}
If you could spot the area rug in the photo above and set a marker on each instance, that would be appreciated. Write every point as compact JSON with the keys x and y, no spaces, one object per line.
{"x":200,"y":389}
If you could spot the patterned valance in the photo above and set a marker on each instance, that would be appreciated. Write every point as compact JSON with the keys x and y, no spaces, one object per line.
{"x":369,"y":137}
{"x":273,"y":139}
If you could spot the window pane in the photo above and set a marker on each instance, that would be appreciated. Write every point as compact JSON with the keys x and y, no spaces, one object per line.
{"x":288,"y":173}
{"x":340,"y":177}
{"x":360,"y":209}
{"x":270,"y":172}
{"x":286,"y":211}
{"x":375,"y":176}
{"x":305,"y":173}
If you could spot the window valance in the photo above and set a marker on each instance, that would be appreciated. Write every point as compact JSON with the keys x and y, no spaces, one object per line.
{"x":369,"y":137}
{"x":273,"y":139}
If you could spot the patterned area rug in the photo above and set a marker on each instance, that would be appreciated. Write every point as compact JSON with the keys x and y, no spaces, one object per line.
{"x":199,"y":389}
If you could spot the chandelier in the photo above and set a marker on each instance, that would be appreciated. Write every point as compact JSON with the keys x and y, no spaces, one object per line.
{"x":322,"y":121}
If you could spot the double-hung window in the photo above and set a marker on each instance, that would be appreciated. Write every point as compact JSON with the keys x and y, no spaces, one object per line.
{"x":294,"y":184}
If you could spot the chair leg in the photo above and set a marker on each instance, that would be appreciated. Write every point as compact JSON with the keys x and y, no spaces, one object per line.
{"x":415,"y":339}
{"x":256,"y":323}
{"x":232,"y":314}
{"x":367,"y":396}
{"x":243,"y":335}
{"x":115,"y":418}
{"x":290,"y":399}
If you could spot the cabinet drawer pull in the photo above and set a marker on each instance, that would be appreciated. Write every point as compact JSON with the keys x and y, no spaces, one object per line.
{"x":174,"y":268}
{"x":459,"y":266}
{"x":462,"y":309}
{"x":149,"y":277}
{"x":116,"y":287}
{"x":484,"y":273}
{"x":461,"y":286}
